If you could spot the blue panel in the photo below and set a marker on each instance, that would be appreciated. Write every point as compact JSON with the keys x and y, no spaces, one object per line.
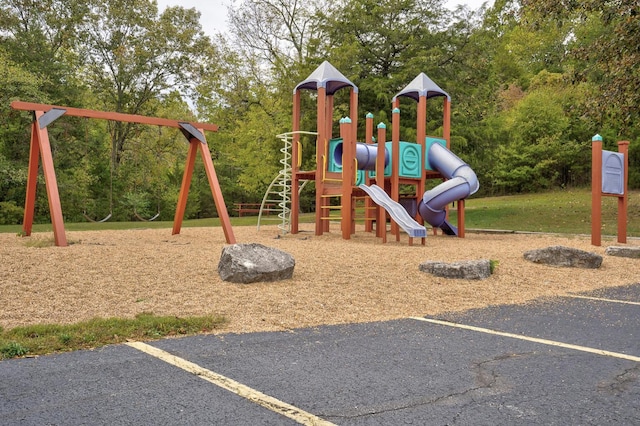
{"x":612,"y":173}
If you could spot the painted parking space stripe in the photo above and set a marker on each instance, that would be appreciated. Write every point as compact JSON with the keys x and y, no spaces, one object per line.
{"x":600,"y":299}
{"x":531,"y":339}
{"x":231,"y":385}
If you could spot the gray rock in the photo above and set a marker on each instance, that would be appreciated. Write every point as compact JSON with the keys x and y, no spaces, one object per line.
{"x":468,"y":270}
{"x":621,"y":251}
{"x":564,"y":256}
{"x":250,"y":263}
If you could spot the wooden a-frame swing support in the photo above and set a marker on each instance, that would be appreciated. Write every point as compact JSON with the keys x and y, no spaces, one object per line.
{"x":41,"y":149}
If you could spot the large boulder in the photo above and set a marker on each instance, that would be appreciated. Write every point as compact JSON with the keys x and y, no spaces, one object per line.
{"x":468,"y":270}
{"x":250,"y":263}
{"x":622,"y":251}
{"x":564,"y":256}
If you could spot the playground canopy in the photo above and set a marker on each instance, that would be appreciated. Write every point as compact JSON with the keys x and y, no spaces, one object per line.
{"x":327,"y":76}
{"x":422,"y":85}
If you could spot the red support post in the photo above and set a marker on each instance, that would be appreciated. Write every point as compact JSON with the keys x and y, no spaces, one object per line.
{"x":368,"y":204}
{"x":295,"y":182}
{"x":51,"y":183}
{"x":623,"y":148}
{"x":216,"y":191}
{"x":381,"y":226}
{"x":32,"y":180}
{"x":596,"y":190}
{"x":184,"y":187}
{"x":320,"y":158}
{"x":395,"y":162}
{"x":348,"y":173}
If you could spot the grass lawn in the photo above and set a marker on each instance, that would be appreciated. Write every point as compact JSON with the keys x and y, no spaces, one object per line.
{"x":565,"y":212}
{"x":561,"y":211}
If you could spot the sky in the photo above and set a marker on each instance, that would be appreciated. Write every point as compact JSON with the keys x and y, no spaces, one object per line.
{"x":214,"y":12}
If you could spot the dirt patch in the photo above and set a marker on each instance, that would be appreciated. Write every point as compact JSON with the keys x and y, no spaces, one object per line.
{"x":123,"y":273}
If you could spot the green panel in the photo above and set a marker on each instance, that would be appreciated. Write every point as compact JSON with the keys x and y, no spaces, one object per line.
{"x":428,"y":142}
{"x":410,"y":160}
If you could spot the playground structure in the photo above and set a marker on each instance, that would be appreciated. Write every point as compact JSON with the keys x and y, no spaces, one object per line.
{"x":609,"y":177}
{"x":40,"y":148}
{"x":347,"y":171}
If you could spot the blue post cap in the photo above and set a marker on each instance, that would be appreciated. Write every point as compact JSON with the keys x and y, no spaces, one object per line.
{"x":342,"y":120}
{"x":369,"y":115}
{"x":382,"y":126}
{"x":347,"y":120}
{"x":396,"y":111}
{"x":596,"y":138}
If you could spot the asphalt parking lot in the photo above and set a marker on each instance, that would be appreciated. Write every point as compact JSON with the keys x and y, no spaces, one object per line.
{"x":566,"y":360}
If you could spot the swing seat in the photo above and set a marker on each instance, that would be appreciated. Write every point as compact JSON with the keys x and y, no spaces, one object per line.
{"x":97,"y":221}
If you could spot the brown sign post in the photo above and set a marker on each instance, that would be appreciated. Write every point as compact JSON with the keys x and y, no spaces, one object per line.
{"x":617,"y":171}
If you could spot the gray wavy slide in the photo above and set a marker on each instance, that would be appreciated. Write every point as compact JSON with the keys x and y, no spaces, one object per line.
{"x":397,"y":212}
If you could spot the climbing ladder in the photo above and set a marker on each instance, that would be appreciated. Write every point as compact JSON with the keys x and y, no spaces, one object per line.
{"x":279,"y":191}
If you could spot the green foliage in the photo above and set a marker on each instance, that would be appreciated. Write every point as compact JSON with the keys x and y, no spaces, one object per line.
{"x":12,"y":350}
{"x":530,"y":83}
{"x":10,"y":213}
{"x":493,"y":264}
{"x":601,"y":39}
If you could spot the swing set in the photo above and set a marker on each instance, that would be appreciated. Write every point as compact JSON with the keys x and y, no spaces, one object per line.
{"x":40,"y":149}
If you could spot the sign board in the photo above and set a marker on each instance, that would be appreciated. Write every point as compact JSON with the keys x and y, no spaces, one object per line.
{"x":612,"y":173}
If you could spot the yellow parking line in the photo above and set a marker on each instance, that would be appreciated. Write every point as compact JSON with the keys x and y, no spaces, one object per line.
{"x":627,"y":302}
{"x":531,"y":339}
{"x":231,"y":385}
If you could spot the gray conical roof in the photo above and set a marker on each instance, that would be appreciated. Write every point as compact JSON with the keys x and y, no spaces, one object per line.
{"x":327,"y":76}
{"x":422,"y":86}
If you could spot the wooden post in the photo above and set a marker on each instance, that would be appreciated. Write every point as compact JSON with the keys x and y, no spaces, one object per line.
{"x":320,"y":157}
{"x":446,"y":134}
{"x":421,"y":131}
{"x":295,"y":182}
{"x":395,"y":162}
{"x":370,"y":213}
{"x":184,"y":187}
{"x":623,"y":148}
{"x":381,"y":226}
{"x":596,"y":190}
{"x":348,"y":173}
{"x":32,"y":180}
{"x":40,"y":145}
{"x":216,"y":191}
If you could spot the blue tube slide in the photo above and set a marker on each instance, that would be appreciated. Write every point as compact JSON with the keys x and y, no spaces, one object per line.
{"x":366,"y":155}
{"x":462,"y":183}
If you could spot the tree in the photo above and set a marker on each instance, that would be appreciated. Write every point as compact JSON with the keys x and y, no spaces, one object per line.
{"x":383,"y":45}
{"x":603,"y":38}
{"x":134,"y":56}
{"x":279,"y":33}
